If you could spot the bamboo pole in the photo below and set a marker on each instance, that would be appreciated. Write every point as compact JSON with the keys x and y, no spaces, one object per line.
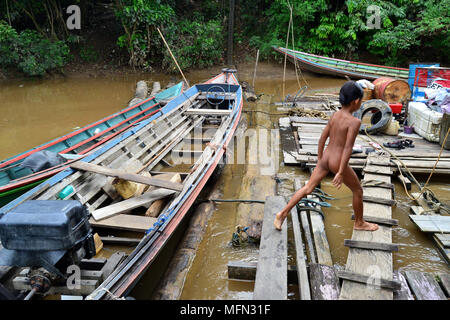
{"x":170,"y":51}
{"x":254,"y":72}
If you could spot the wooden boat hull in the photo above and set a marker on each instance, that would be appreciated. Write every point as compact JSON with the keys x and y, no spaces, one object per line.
{"x":16,"y":180}
{"x":138,"y":143}
{"x":342,"y":68}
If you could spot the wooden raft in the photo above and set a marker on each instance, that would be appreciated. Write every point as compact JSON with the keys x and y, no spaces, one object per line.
{"x":376,"y":264}
{"x":271,"y":273}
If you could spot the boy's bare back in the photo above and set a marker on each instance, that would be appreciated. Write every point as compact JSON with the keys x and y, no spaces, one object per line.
{"x":342,"y":131}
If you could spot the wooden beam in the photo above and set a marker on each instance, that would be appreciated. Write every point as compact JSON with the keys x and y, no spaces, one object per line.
{"x":387,"y":202}
{"x":125,"y":222}
{"x":306,"y":227}
{"x":271,"y":275}
{"x":85,"y":166}
{"x":368,"y":280}
{"x":302,"y":273}
{"x":371,"y":245}
{"x":208,"y":112}
{"x":385,"y":221}
{"x":324,"y":282}
{"x":126,"y":205}
{"x":246,"y":271}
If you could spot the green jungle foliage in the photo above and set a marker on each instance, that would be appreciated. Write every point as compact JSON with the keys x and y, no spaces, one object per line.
{"x":34,"y":38}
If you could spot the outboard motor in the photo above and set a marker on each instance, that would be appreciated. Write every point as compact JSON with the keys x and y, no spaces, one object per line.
{"x":47,"y":236}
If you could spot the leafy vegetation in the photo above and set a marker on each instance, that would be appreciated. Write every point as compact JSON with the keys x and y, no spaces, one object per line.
{"x":34,"y":37}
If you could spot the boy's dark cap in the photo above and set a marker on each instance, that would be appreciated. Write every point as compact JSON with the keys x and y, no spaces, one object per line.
{"x":350,"y":91}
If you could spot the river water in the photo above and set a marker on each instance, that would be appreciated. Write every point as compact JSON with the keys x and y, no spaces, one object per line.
{"x":36,"y":111}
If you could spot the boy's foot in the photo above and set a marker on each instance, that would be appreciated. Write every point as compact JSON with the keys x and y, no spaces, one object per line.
{"x":366,"y":226}
{"x":278,"y":222}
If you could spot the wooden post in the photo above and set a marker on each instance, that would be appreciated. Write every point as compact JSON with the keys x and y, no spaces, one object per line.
{"x":254,"y":72}
{"x":230,"y":33}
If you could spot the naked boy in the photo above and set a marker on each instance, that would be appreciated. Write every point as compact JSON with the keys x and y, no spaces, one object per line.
{"x":342,"y":130}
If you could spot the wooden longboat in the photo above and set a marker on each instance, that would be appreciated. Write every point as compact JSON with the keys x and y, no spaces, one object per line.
{"x":342,"y":68}
{"x":15,"y":180}
{"x":218,"y":100}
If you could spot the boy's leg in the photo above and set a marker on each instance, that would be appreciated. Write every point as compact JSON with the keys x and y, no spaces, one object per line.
{"x":318,"y":174}
{"x":352,"y":182}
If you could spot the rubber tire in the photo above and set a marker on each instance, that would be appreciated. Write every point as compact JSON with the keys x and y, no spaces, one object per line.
{"x":378,"y":123}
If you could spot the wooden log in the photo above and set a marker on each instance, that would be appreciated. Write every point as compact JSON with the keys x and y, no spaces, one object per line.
{"x":157,"y":206}
{"x":368,"y":280}
{"x":387,"y":202}
{"x":126,"y":205}
{"x":385,"y":221}
{"x":404,"y":293}
{"x":424,"y":286}
{"x":271,"y":275}
{"x":324,"y":282}
{"x":371,"y":245}
{"x":85,"y":166}
{"x":302,"y":273}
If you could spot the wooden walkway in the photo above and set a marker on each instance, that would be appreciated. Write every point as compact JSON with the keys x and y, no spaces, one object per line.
{"x":373,"y":265}
{"x":300,"y":136}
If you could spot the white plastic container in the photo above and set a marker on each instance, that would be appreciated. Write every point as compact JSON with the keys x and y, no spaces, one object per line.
{"x":426,"y":123}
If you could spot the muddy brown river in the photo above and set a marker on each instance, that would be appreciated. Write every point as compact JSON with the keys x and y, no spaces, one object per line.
{"x":36,"y":111}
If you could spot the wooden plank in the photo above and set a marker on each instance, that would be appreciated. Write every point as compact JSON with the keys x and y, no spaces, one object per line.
{"x":125,"y":222}
{"x":404,"y":181}
{"x":444,"y":239}
{"x":418,"y":210}
{"x":424,"y":286}
{"x":85,"y":166}
{"x":271,"y":275}
{"x":208,"y":112}
{"x":370,"y":245}
{"x":324,"y":282}
{"x":404,"y":293}
{"x":389,"y":222}
{"x":320,"y":237}
{"x":246,"y":271}
{"x":135,"y":202}
{"x":121,"y":241}
{"x":387,"y":202}
{"x":375,"y":263}
{"x":112,"y":263}
{"x":306,"y":227}
{"x":445,"y":281}
{"x":302,"y":273}
{"x":368,"y":280}
{"x":444,"y":251}
{"x":433,"y":223}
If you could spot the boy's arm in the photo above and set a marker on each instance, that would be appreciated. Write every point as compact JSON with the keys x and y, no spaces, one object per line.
{"x":347,"y":152}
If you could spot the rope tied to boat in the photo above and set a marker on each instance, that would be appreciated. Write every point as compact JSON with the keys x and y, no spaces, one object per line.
{"x":428,"y":195}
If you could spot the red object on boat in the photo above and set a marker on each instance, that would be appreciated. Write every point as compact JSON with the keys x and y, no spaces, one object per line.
{"x":396,"y":107}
